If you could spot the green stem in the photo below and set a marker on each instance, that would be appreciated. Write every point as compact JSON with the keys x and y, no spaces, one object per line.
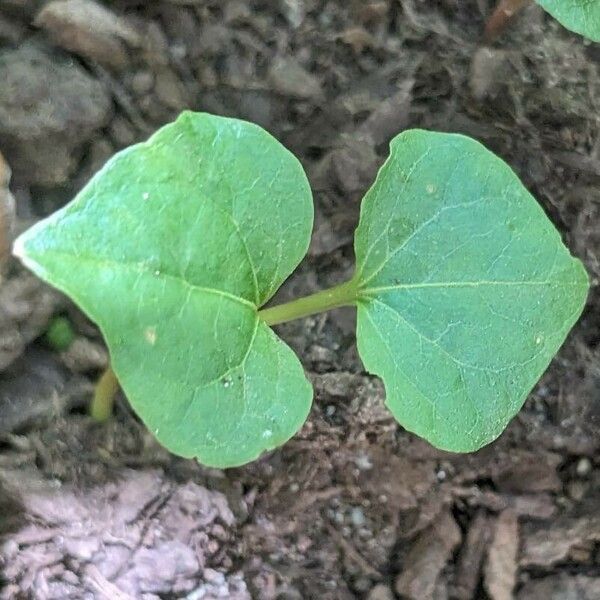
{"x":344,"y":294}
{"x":104,"y":396}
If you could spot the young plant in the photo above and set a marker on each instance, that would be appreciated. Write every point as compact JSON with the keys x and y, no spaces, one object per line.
{"x":463,"y":287}
{"x":580,"y":16}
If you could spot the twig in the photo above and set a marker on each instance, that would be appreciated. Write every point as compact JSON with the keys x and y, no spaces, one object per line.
{"x":501,"y":17}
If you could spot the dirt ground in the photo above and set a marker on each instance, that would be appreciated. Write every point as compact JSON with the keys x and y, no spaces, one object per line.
{"x":353,"y":506}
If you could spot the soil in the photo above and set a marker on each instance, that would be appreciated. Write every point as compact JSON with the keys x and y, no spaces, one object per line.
{"x":353,"y":506}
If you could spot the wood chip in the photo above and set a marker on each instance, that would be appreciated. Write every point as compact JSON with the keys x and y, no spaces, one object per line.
{"x":90,"y":30}
{"x":561,"y":587}
{"x":358,"y":38}
{"x":528,"y":472}
{"x":567,"y":539}
{"x":290,"y":78}
{"x":426,"y":559}
{"x":501,"y":567}
{"x":471,"y":557}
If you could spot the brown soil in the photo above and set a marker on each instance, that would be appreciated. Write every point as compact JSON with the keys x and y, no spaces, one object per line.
{"x":353,"y":506}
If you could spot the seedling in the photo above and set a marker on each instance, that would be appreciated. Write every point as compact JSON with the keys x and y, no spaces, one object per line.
{"x":463,"y":288}
{"x":580,"y":16}
{"x":60,"y":334}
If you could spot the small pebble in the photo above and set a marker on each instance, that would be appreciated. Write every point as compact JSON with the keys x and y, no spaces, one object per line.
{"x":142,"y":82}
{"x":294,"y":11}
{"x":362,"y":584}
{"x":576,"y":490}
{"x":122,"y":132}
{"x":363,"y":462}
{"x":381,"y":592}
{"x":584,"y":467}
{"x":357,"y":516}
{"x":9,"y":549}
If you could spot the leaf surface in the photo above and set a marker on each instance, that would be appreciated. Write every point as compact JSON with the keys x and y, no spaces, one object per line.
{"x":581,"y":16}
{"x":171,"y":248}
{"x":466,"y":289}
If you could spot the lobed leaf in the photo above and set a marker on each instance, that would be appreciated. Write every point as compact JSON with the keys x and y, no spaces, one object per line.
{"x":466,"y":290}
{"x":171,"y":248}
{"x":581,"y":16}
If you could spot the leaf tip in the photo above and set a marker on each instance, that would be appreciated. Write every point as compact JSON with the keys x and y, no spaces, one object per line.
{"x":19,"y":251}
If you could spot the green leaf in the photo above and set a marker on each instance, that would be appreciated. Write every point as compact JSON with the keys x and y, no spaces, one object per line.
{"x":171,"y":248}
{"x":581,"y":16}
{"x":466,"y":289}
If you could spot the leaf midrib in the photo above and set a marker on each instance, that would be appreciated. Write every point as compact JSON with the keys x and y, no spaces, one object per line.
{"x":139,"y":268}
{"x":147,"y":272}
{"x":466,"y":284}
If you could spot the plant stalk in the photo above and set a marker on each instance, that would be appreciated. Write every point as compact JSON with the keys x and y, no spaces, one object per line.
{"x":104,"y":396}
{"x":344,"y":294}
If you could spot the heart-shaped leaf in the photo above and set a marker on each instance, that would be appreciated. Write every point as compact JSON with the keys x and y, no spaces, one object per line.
{"x":466,"y":289}
{"x":581,"y":16}
{"x":171,"y":248}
